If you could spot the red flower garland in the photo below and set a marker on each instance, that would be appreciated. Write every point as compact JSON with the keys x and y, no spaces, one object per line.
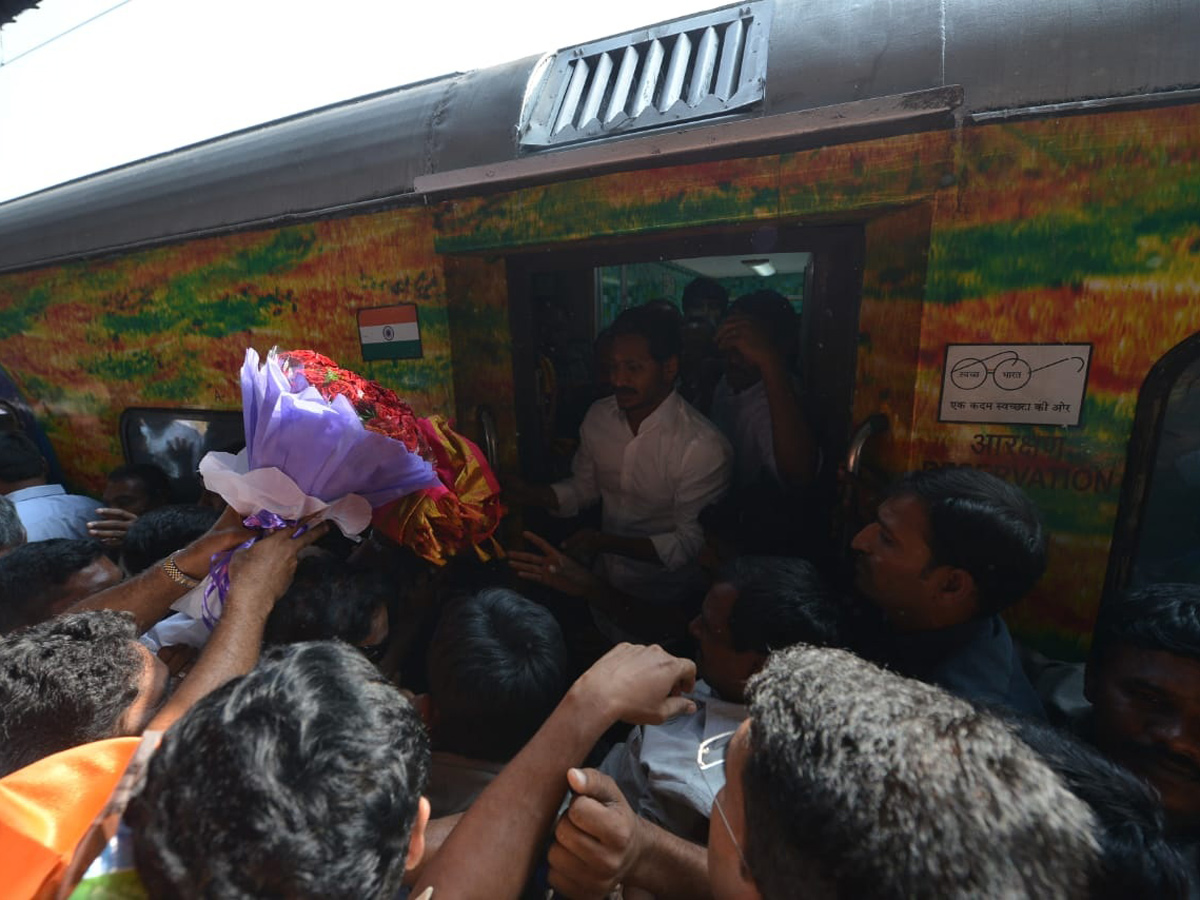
{"x":437,"y":522}
{"x":380,"y":409}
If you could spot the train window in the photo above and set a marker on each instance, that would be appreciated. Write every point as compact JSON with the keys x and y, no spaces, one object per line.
{"x":621,"y":286}
{"x":176,"y":439}
{"x":1158,"y":524}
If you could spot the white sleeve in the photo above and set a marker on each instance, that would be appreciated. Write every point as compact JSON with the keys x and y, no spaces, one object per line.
{"x":706,"y":468}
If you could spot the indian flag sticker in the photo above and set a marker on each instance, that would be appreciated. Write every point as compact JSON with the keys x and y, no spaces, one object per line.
{"x":389,"y":332}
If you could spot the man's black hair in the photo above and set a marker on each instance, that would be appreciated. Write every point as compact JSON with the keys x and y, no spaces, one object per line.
{"x":19,"y":457}
{"x":32,"y":575}
{"x":327,"y":600}
{"x":498,"y":666}
{"x":157,"y":534}
{"x":781,"y":601}
{"x":1135,"y":858}
{"x":154,"y":480}
{"x":985,"y":526}
{"x":696,"y":291}
{"x":776,"y":313}
{"x":1159,"y":617}
{"x":660,"y":328}
{"x":300,"y":779}
{"x":65,"y":682}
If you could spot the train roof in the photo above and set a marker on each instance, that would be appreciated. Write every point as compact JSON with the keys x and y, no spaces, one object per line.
{"x":829,"y":66}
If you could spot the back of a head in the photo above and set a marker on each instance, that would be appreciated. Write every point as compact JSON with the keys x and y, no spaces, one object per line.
{"x":983,"y":525}
{"x":65,"y":682}
{"x":775,"y":312}
{"x":20,"y":459}
{"x":1135,"y":858}
{"x":12,"y":532}
{"x":327,"y":600}
{"x":660,"y":327}
{"x":1164,"y":617}
{"x":160,"y":532}
{"x":498,"y":666}
{"x":870,"y":784}
{"x":301,"y":779}
{"x":781,"y":601}
{"x":701,"y":292}
{"x":153,"y":480}
{"x":33,"y":577}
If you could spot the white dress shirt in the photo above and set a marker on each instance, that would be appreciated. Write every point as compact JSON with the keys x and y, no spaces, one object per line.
{"x":653,"y":485}
{"x":745,"y":418}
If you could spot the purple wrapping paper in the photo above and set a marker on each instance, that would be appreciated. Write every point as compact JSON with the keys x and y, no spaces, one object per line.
{"x":323,"y":447}
{"x":304,"y":457}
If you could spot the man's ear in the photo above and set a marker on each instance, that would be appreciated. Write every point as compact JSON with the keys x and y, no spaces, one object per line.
{"x":416,"y":838}
{"x":957,"y":593}
{"x":671,"y":368}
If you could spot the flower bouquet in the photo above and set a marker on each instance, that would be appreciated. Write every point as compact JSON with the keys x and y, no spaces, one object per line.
{"x":310,"y":452}
{"x":325,"y":443}
{"x":461,"y":509}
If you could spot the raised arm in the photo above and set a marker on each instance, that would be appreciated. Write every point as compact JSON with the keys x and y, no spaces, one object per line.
{"x":492,"y":850}
{"x":792,"y":442}
{"x":258,"y":576}
{"x":150,"y":594}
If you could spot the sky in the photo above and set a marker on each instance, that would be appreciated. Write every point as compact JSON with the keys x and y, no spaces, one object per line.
{"x":90,"y":84}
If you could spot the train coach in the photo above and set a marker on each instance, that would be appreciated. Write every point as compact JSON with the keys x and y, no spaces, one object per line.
{"x":986,"y":213}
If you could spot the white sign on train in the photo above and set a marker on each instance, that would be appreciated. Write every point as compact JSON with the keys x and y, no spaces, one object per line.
{"x":1015,"y":384}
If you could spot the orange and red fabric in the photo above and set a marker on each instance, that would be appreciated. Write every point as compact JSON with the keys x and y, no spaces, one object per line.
{"x":48,"y":806}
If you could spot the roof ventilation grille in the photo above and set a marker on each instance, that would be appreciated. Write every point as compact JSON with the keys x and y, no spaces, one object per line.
{"x":694,"y":68}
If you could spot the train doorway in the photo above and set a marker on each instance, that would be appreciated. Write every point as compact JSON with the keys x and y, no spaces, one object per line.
{"x":561,"y":299}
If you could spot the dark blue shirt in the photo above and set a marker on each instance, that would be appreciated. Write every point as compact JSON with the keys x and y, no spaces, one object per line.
{"x":975,"y":660}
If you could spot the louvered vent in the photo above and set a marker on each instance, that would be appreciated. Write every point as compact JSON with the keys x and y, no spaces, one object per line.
{"x":695,"y":68}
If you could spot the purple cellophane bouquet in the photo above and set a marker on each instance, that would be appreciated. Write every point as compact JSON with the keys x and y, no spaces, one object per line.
{"x":305,"y":456}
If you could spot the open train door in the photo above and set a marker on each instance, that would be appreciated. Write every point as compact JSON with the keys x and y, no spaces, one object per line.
{"x":561,"y":298}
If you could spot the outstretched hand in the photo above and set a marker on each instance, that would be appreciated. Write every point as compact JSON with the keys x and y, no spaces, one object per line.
{"x":226,"y":533}
{"x":263,"y":571}
{"x":551,"y":567}
{"x":111,"y":525}
{"x":597,"y":841}
{"x":639,"y":684}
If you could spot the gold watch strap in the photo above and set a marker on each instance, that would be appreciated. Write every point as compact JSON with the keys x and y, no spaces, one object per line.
{"x":177,"y":575}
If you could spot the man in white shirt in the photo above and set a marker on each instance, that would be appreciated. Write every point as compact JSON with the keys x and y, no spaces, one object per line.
{"x":46,"y":510}
{"x":652,"y":460}
{"x":756,"y":404}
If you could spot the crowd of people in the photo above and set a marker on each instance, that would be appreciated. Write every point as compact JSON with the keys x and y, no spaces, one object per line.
{"x":661,"y":704}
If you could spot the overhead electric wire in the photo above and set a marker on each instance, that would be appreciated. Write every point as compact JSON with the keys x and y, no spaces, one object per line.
{"x":51,"y":40}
